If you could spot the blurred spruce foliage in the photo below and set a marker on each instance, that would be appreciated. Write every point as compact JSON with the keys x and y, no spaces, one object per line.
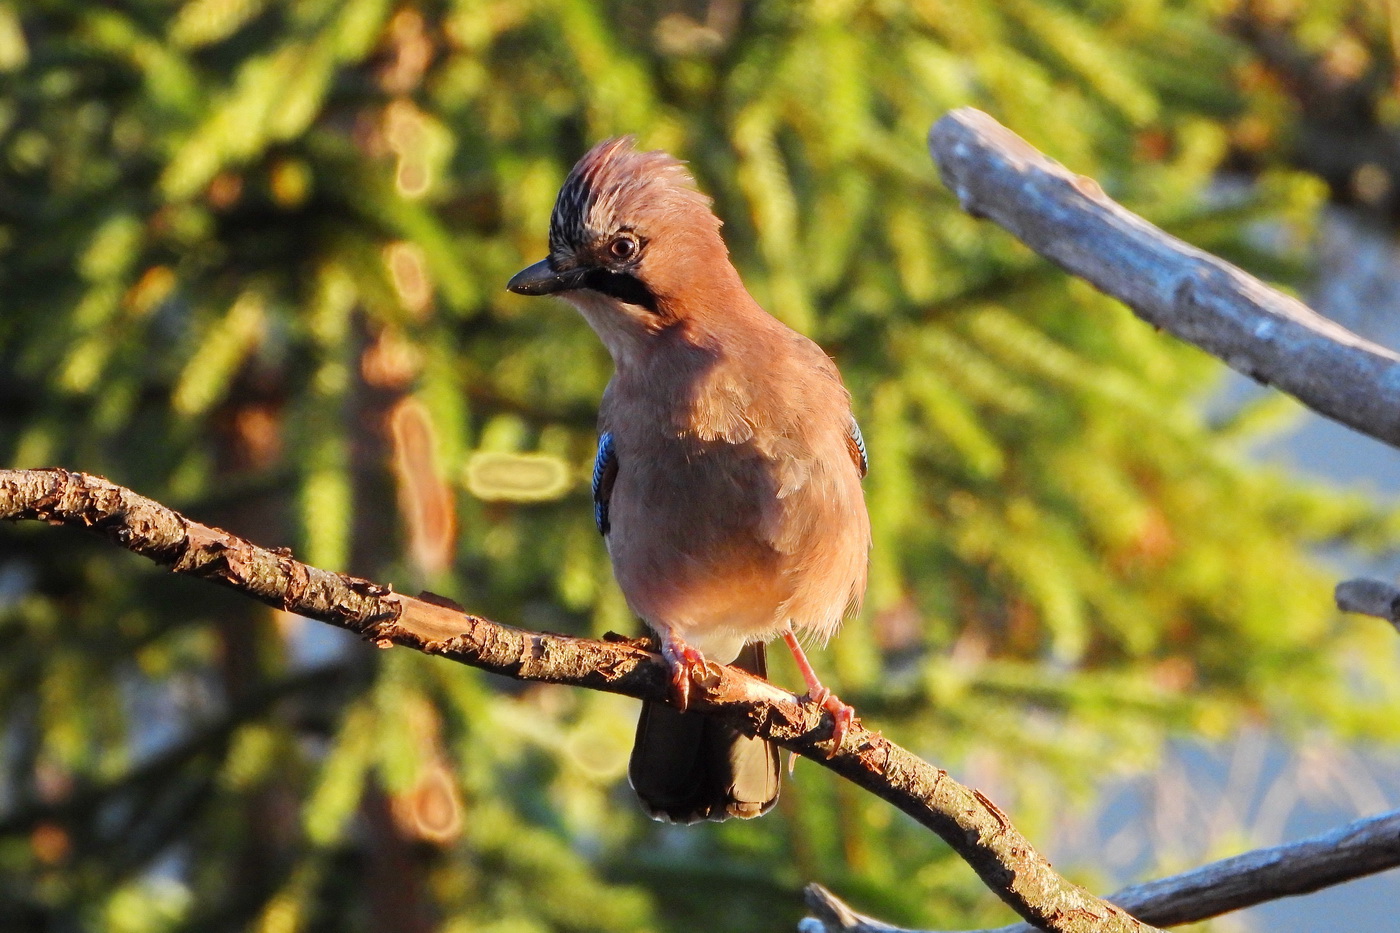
{"x":252,"y":257}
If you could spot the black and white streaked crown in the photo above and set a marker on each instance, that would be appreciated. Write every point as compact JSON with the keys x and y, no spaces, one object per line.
{"x":614,"y":187}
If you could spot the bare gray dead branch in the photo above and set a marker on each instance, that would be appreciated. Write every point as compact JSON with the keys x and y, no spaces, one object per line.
{"x":1361,"y":848}
{"x":1256,"y":330}
{"x":970,"y":823}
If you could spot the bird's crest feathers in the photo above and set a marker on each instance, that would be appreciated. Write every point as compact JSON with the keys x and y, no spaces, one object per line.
{"x":615,"y":187}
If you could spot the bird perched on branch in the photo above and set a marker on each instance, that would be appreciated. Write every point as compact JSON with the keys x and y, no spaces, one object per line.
{"x":727,"y":480}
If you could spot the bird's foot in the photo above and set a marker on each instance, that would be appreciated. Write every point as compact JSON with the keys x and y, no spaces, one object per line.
{"x":842,"y":714}
{"x":687,"y":664}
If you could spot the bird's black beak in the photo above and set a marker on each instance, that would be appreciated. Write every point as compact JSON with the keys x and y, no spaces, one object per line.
{"x":542,"y":279}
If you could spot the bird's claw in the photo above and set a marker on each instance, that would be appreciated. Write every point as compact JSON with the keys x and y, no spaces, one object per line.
{"x":842,"y":714}
{"x":687,"y":665}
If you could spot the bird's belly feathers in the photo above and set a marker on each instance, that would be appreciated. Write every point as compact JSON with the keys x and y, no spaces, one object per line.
{"x":709,"y":539}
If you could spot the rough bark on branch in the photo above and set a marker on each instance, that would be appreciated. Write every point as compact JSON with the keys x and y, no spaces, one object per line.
{"x":1254,"y":329}
{"x":969,"y":822}
{"x":1346,"y":853}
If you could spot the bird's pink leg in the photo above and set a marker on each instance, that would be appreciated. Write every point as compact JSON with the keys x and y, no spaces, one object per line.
{"x":683,"y":661}
{"x":823,"y":697}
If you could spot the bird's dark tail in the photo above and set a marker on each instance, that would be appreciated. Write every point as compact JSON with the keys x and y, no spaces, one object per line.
{"x":687,"y":767}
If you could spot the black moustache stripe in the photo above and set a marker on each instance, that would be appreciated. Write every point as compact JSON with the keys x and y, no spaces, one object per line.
{"x":621,"y":286}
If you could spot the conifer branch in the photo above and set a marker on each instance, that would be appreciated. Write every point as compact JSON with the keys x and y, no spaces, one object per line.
{"x":153,"y":775}
{"x":964,"y":818}
{"x":1346,"y":853}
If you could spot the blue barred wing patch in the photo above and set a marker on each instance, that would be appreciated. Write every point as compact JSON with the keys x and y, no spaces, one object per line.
{"x":604,"y":472}
{"x":857,"y":445}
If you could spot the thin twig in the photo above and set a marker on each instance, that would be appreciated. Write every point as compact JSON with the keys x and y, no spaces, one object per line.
{"x":969,"y":822}
{"x":1343,"y":854}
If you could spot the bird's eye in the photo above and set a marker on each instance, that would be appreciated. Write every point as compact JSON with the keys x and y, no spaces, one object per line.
{"x":624,"y":247}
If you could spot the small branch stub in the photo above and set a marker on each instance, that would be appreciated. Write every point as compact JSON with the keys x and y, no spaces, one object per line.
{"x":1370,"y":597}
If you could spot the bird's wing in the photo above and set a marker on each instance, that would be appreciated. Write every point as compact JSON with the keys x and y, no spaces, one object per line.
{"x":855,"y":442}
{"x":604,"y":475}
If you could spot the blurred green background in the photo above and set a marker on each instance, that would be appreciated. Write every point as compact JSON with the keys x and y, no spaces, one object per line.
{"x":252,"y":264}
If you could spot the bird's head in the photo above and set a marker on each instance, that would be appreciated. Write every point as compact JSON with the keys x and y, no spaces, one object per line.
{"x":632,"y":244}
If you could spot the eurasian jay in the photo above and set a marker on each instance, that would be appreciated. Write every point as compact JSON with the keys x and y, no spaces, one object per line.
{"x":727,"y":483}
